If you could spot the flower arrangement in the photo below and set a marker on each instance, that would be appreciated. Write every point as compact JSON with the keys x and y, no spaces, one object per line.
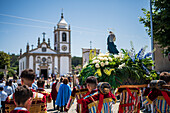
{"x":125,"y":68}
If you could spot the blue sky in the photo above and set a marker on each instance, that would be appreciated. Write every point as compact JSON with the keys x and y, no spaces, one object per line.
{"x":23,"y":21}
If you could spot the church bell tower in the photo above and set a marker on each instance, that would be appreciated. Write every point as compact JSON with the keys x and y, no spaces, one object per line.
{"x":62,"y":37}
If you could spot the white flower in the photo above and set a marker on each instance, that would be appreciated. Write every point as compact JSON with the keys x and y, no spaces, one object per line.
{"x":97,"y":65}
{"x":122,"y":65}
{"x":85,"y":65}
{"x":101,"y":58}
{"x":116,"y":56}
{"x":95,"y":61}
{"x":105,"y":58}
{"x":107,"y":55}
{"x":110,"y":59}
{"x":101,"y":55}
{"x":94,"y":58}
{"x":106,"y":63}
{"x":102,"y":64}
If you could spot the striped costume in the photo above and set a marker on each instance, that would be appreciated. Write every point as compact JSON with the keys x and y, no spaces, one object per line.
{"x":78,"y":92}
{"x":129,"y":100}
{"x":47,"y":94}
{"x":96,"y":102}
{"x":38,"y":103}
{"x":160,"y":99}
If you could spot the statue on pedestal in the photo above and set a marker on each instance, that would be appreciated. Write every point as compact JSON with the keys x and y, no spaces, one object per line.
{"x":110,"y":42}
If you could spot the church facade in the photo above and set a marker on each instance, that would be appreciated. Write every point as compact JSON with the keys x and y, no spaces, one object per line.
{"x":45,"y":60}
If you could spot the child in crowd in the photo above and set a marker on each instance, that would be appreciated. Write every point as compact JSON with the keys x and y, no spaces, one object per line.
{"x":23,"y":99}
{"x":3,"y":96}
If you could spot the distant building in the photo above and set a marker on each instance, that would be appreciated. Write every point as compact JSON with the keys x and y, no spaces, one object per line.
{"x":45,"y":60}
{"x":87,"y":53}
{"x":162,"y":63}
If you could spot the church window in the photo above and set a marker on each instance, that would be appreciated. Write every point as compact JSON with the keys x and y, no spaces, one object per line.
{"x":55,"y":38}
{"x":49,"y":59}
{"x":23,"y":65}
{"x":44,"y":59}
{"x":64,"y":38}
{"x":44,"y":49}
{"x":38,"y":59}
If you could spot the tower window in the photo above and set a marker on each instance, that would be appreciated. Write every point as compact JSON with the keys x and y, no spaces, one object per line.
{"x":64,"y":38}
{"x":55,"y":38}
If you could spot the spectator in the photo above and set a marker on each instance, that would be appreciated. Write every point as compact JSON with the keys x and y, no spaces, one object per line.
{"x":59,"y":83}
{"x":38,"y":76}
{"x":34,"y":86}
{"x":63,"y":95}
{"x":54,"y":92}
{"x":15,"y":84}
{"x":39,"y":100}
{"x":3,"y":96}
{"x":19,"y":81}
{"x":23,"y":99}
{"x":41,"y":85}
{"x":2,"y":84}
{"x":8,"y":89}
{"x":12,"y":86}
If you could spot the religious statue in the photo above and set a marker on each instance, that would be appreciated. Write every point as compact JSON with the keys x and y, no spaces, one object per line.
{"x":110,"y":42}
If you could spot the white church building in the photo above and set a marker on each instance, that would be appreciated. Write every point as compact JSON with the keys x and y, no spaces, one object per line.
{"x":45,"y":60}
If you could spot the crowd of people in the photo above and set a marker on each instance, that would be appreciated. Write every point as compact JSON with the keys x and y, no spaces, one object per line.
{"x":27,"y":95}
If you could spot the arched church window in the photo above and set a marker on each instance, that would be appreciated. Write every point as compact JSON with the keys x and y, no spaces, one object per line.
{"x":49,"y":59}
{"x":55,"y":38}
{"x":38,"y":59}
{"x":64,"y":37}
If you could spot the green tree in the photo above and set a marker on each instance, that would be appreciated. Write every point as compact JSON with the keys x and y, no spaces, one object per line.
{"x":4,"y":60}
{"x":14,"y":60}
{"x":76,"y":61}
{"x":161,"y":23}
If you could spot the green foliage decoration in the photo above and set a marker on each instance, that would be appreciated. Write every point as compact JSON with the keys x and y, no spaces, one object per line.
{"x":125,"y":68}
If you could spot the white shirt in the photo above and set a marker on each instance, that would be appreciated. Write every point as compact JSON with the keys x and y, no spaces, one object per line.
{"x":58,"y":85}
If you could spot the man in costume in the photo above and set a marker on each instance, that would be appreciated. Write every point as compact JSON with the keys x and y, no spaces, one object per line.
{"x":41,"y":85}
{"x":23,"y":99}
{"x":54,"y":92}
{"x":77,"y":93}
{"x":129,"y":100}
{"x":110,"y":42}
{"x":97,"y":100}
{"x":160,"y":94}
{"x":38,"y":101}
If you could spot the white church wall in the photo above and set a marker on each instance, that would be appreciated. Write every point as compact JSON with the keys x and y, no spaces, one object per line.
{"x":37,"y":68}
{"x":64,"y":65}
{"x":55,"y":65}
{"x":39,"y":50}
{"x":22,"y":64}
{"x":50,"y":69}
{"x":31,"y":62}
